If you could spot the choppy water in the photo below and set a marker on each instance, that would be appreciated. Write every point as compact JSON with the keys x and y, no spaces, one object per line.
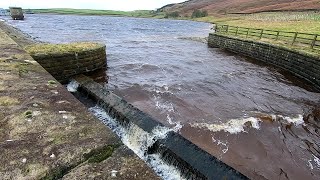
{"x":247,"y":114}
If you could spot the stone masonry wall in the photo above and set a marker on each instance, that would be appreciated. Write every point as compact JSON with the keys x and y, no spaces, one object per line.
{"x":302,"y":65}
{"x":63,"y":66}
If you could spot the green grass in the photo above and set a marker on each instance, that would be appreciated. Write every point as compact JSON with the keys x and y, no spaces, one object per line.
{"x":307,"y":22}
{"x":303,"y":22}
{"x":60,"y":48}
{"x":138,"y":13}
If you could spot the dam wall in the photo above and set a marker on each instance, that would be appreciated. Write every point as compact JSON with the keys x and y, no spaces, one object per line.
{"x":302,"y":65}
{"x":62,"y":65}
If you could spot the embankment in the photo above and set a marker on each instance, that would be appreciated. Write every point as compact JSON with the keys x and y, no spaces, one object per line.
{"x":302,"y":65}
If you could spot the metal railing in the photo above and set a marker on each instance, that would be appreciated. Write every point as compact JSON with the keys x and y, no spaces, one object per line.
{"x":293,"y":38}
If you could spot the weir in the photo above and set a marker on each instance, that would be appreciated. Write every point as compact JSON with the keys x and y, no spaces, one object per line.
{"x":193,"y":162}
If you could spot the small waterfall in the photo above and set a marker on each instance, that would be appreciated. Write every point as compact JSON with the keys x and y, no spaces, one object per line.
{"x":169,"y":154}
{"x":72,"y":86}
{"x":140,"y":141}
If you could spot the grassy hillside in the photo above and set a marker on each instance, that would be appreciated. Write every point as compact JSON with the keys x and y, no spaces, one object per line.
{"x":242,"y":6}
{"x":140,"y":13}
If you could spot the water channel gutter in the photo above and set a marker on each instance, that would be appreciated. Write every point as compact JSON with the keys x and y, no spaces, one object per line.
{"x":193,"y":162}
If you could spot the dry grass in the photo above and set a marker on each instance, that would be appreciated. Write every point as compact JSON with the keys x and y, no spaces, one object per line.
{"x":60,"y":48}
{"x":307,"y":22}
{"x":8,"y":101}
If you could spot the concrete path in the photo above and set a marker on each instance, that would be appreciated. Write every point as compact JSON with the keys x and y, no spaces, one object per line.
{"x":46,"y":133}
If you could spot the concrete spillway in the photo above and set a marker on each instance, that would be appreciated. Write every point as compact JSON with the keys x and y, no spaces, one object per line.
{"x":154,"y":140}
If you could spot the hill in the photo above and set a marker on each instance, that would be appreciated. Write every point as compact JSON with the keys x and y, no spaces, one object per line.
{"x":138,"y":13}
{"x":241,"y":6}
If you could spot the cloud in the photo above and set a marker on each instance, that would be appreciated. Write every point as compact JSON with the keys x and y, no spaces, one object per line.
{"x":124,"y":5}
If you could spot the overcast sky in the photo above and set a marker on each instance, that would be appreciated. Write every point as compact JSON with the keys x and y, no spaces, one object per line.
{"x":125,"y":5}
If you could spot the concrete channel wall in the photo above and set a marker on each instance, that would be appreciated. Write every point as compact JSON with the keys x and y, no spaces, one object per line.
{"x":62,"y":66}
{"x":302,"y":65}
{"x":193,"y":162}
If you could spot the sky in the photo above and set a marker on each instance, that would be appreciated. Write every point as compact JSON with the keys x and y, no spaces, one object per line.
{"x":124,"y":5}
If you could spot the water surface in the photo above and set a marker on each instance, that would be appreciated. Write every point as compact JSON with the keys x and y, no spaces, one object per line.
{"x":245,"y":113}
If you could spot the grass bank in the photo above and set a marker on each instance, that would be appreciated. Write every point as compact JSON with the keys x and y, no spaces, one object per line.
{"x":138,"y":13}
{"x":308,"y":22}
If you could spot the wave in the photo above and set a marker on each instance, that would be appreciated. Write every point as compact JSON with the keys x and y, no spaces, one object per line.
{"x":235,"y":126}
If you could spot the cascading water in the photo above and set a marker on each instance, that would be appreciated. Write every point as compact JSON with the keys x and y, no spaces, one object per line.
{"x":72,"y":86}
{"x":139,"y":141}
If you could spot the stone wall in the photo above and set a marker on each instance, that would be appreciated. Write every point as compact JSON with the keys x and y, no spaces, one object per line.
{"x":302,"y":65}
{"x":62,"y":66}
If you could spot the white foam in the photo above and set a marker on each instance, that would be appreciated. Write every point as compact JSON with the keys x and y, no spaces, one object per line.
{"x":167,"y":106}
{"x":233,"y":126}
{"x":295,"y":120}
{"x":316,"y":161}
{"x":73,"y":86}
{"x":138,"y":141}
{"x":310,"y":164}
{"x":169,"y":119}
{"x":177,"y":126}
{"x":222,"y":145}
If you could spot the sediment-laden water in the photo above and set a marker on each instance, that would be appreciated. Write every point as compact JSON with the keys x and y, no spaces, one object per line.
{"x":245,"y":113}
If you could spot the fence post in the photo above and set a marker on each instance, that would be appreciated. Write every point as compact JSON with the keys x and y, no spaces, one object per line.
{"x":247,"y":32}
{"x":227,"y":29}
{"x":294,"y":38}
{"x":215,"y":28}
{"x":277,"y":35}
{"x":314,"y":41}
{"x":261,"y":33}
{"x":237,"y":30}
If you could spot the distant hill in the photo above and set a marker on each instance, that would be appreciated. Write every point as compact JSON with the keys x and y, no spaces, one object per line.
{"x":241,"y":6}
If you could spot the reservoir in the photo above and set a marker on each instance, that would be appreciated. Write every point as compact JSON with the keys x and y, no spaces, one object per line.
{"x":243,"y":112}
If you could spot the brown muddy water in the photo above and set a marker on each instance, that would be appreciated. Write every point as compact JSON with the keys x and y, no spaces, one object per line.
{"x":247,"y":114}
